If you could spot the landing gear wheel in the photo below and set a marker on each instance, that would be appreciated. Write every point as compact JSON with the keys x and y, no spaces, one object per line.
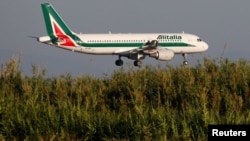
{"x":119,"y":62}
{"x":137,"y":63}
{"x":185,"y":62}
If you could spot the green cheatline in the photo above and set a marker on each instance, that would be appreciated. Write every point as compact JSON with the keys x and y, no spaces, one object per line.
{"x":132,"y":44}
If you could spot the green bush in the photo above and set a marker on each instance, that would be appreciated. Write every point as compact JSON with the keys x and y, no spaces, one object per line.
{"x":151,"y":103}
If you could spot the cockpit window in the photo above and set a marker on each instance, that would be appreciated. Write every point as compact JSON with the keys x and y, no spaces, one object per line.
{"x":199,"y":40}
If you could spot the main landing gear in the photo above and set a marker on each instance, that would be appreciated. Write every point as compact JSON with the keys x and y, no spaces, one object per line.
{"x":185,"y":62}
{"x":137,"y":63}
{"x":119,"y":62}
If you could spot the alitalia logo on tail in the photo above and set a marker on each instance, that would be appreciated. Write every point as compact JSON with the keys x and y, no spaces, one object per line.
{"x":62,"y":38}
{"x":57,"y":30}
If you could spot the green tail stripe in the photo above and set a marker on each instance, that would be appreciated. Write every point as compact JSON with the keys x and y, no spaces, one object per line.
{"x":49,"y":10}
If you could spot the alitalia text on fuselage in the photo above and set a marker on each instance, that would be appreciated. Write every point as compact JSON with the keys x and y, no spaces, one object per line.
{"x":170,"y":37}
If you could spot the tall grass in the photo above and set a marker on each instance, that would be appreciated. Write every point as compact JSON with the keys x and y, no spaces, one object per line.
{"x":172,"y":103}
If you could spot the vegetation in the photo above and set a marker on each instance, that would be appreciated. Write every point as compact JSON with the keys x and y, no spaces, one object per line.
{"x":170,"y":103}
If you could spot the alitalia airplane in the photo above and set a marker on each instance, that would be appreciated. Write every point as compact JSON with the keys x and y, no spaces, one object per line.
{"x":161,"y":46}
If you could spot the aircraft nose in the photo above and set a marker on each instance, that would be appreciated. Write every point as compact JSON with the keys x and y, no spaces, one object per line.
{"x":205,"y":46}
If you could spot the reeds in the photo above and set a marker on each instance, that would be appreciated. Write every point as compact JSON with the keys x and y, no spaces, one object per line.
{"x":172,"y":103}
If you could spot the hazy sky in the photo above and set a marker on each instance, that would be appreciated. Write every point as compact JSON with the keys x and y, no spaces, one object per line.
{"x":218,"y":22}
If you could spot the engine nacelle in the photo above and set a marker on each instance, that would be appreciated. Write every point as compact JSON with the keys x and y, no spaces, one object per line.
{"x":162,"y":54}
{"x":138,"y":56}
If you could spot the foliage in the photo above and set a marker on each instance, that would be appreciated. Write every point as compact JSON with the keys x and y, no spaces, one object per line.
{"x":172,"y":103}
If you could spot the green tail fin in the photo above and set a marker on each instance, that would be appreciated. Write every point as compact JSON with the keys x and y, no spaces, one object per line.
{"x":51,"y":17}
{"x":57,"y":30}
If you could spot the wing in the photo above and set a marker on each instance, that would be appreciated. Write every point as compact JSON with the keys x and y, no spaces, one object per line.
{"x":147,"y":47}
{"x":151,"y":49}
{"x":150,"y":45}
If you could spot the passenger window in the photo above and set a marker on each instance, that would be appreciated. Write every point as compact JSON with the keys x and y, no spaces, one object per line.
{"x":199,"y":40}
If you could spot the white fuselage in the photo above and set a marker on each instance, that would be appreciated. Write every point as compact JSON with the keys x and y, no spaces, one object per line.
{"x":118,"y":43}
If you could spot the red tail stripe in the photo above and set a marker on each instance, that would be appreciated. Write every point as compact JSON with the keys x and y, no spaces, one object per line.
{"x":62,"y":36}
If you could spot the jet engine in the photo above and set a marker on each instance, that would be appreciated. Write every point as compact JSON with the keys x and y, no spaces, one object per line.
{"x":137,"y":56}
{"x":162,"y":54}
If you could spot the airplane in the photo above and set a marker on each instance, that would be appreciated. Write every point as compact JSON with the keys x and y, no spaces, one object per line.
{"x":161,"y":46}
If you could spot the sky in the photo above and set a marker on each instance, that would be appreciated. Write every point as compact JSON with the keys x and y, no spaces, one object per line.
{"x":220,"y":23}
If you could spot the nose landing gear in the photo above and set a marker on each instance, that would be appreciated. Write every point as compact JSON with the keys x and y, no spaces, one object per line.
{"x":185,"y":62}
